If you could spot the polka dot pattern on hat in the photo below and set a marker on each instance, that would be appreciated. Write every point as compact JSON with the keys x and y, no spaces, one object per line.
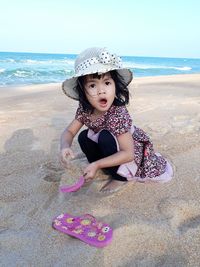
{"x":95,"y":60}
{"x":104,"y":58}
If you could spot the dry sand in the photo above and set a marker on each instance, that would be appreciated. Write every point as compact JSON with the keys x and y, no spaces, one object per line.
{"x":154,"y":224}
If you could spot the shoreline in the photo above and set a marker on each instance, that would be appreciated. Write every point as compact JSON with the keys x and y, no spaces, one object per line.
{"x":138,"y":80}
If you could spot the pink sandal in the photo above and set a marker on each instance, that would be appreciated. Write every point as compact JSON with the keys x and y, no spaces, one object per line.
{"x":72,"y":188}
{"x":85,"y":228}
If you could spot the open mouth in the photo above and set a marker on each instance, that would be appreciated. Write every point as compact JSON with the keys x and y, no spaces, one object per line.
{"x":103,"y":101}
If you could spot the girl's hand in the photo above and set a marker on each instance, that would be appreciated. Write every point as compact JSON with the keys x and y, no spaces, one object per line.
{"x":65,"y":155}
{"x":90,"y":171}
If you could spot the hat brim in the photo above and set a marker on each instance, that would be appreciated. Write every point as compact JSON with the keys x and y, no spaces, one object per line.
{"x":68,"y":86}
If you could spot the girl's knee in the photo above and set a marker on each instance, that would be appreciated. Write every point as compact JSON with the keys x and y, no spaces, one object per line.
{"x":82,"y":136}
{"x":105,"y":137}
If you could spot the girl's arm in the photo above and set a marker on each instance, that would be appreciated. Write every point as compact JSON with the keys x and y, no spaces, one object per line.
{"x":67,"y":139}
{"x":69,"y":133}
{"x":125,"y":154}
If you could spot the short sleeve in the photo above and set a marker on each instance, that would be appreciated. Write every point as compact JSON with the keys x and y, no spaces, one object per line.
{"x":80,"y":114}
{"x":119,"y":121}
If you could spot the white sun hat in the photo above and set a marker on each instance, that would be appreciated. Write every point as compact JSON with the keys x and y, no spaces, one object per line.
{"x":95,"y":60}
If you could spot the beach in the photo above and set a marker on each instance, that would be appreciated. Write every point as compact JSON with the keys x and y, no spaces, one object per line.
{"x":154,"y":224}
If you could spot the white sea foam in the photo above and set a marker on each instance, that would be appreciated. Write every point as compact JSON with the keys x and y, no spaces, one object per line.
{"x":68,"y":61}
{"x":10,"y":60}
{"x":22,"y":73}
{"x":146,"y":66}
{"x":2,"y":70}
{"x":183,"y":68}
{"x":48,"y":62}
{"x":32,"y":62}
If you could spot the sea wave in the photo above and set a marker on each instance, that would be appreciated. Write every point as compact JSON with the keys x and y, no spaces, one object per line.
{"x":33,"y":76}
{"x":31,"y":72}
{"x":30,"y":68}
{"x":23,"y":73}
{"x":46,"y":62}
{"x":183,"y":68}
{"x":38,"y":62}
{"x":149,"y":67}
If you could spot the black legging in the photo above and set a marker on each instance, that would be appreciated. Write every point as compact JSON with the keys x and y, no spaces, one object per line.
{"x":105,"y":147}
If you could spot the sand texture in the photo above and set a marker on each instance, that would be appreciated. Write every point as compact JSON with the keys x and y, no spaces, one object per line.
{"x":154,"y":224}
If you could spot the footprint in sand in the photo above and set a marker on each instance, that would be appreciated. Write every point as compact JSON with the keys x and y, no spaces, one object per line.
{"x":182,"y":215}
{"x":54,"y":172}
{"x":51,"y":172}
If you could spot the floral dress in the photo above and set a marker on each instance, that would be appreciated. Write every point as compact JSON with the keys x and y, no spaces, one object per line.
{"x":147,"y":165}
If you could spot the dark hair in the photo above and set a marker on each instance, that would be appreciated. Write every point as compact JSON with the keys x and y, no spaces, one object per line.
{"x":122,"y":92}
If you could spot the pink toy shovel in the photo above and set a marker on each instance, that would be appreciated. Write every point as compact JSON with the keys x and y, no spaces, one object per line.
{"x":85,"y":228}
{"x":74,"y":187}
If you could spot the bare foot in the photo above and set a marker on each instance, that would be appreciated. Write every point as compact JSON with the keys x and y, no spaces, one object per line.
{"x":112,"y":186}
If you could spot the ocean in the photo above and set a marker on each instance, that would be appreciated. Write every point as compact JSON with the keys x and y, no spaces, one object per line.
{"x":39,"y":68}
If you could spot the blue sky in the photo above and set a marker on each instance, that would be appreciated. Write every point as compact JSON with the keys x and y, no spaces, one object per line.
{"x":128,"y":27}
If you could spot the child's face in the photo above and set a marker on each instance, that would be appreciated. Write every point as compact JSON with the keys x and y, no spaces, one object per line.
{"x":100,"y":92}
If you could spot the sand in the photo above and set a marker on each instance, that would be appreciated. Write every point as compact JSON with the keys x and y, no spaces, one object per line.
{"x":154,"y":224}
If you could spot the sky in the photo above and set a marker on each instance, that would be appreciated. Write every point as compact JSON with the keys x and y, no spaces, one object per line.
{"x":157,"y":28}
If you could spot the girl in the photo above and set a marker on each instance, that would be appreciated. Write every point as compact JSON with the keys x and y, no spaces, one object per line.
{"x":111,"y":142}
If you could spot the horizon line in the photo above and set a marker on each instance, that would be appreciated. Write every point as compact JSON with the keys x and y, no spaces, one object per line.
{"x":51,"y":53}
